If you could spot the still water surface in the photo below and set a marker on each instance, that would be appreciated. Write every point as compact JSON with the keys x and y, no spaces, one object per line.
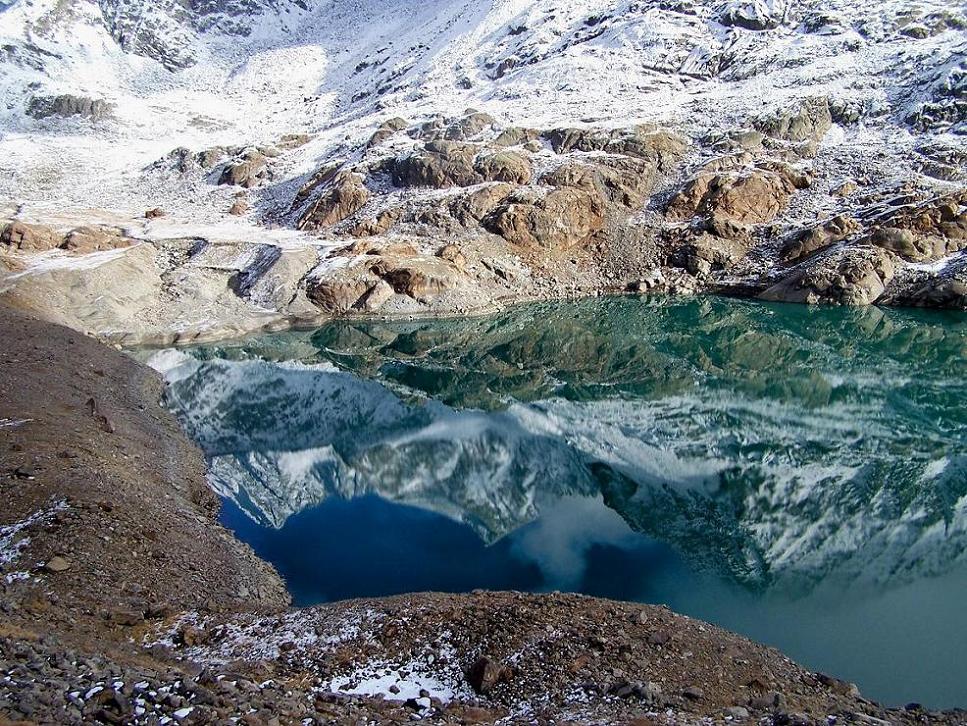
{"x":797,"y":475}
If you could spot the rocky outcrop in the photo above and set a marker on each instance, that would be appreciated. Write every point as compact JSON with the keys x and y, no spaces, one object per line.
{"x":67,"y":105}
{"x":380,"y":274}
{"x":24,"y":237}
{"x":926,"y":231}
{"x":854,"y":276}
{"x":749,"y":197}
{"x":341,"y":198}
{"x":809,"y":121}
{"x":808,"y":241}
{"x":248,"y":170}
{"x":557,"y":220}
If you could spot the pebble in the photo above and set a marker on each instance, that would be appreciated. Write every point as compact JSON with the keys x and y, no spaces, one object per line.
{"x":57,"y":564}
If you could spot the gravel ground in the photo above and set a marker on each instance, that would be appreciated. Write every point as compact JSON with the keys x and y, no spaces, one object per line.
{"x":124,"y":601}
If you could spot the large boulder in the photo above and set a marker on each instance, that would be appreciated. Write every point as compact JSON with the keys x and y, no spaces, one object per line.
{"x":341,"y":198}
{"x":558,"y":220}
{"x":925,"y":231}
{"x":854,"y":276}
{"x":811,"y":240}
{"x":625,"y":181}
{"x":504,"y":166}
{"x":809,"y":120}
{"x":29,"y":237}
{"x":748,"y":197}
{"x":440,"y":164}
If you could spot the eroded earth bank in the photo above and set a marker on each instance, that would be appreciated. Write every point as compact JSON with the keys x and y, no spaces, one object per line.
{"x":124,"y":600}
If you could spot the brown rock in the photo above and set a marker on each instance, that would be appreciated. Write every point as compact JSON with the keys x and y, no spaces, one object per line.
{"x":29,"y":237}
{"x":440,"y":164}
{"x":856,"y":276}
{"x":486,"y":673}
{"x":812,"y":240}
{"x":345,"y":195}
{"x":504,"y":166}
{"x":561,"y":219}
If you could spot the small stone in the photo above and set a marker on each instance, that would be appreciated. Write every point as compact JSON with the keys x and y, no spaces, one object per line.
{"x":659,"y":638}
{"x":737,"y":713}
{"x":190,"y":635}
{"x":487,"y":673}
{"x":769,"y":701}
{"x":57,"y":564}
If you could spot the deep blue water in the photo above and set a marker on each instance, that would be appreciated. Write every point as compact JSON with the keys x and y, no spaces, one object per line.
{"x":797,"y":475}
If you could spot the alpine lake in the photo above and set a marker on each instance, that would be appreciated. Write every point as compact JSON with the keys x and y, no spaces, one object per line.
{"x":794,"y":474}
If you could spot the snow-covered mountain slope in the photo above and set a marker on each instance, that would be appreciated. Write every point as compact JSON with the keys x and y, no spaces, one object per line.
{"x":248,"y":71}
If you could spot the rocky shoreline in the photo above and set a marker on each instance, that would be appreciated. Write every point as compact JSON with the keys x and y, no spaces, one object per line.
{"x":124,"y":601}
{"x":462,"y":215}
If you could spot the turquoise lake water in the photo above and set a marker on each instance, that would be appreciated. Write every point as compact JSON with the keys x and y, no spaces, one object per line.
{"x":798,"y":475}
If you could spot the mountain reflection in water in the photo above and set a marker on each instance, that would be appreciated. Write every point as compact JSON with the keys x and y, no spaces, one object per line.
{"x":745,"y":463}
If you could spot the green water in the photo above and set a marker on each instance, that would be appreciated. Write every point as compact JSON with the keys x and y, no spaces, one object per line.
{"x":796,"y":474}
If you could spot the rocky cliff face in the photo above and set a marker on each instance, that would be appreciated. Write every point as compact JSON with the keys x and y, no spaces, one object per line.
{"x":456,"y":156}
